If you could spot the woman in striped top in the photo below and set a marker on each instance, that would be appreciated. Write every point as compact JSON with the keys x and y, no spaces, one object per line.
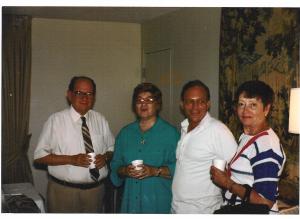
{"x":259,"y":159}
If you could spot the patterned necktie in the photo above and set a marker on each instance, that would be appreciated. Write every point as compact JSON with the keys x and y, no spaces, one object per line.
{"x":88,"y":147}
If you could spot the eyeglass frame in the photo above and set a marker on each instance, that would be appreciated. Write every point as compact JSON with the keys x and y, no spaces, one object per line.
{"x":81,"y":94}
{"x":147,"y":100}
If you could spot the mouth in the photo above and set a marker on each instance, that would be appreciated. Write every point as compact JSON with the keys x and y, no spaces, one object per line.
{"x":195,"y":114}
{"x":84,"y":102}
{"x":246,"y":117}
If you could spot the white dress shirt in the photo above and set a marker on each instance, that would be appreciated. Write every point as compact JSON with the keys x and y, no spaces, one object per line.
{"x":193,"y":191}
{"x":62,"y":135}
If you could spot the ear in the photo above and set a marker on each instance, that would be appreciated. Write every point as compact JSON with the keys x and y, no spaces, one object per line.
{"x":181,"y":108}
{"x":267,"y":109}
{"x":208,"y":104}
{"x":69,"y":95}
{"x":181,"y":105}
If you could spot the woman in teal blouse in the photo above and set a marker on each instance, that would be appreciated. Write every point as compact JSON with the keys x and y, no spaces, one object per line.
{"x":152,"y":140}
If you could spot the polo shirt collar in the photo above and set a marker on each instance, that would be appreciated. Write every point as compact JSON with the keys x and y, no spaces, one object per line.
{"x":203,"y":123}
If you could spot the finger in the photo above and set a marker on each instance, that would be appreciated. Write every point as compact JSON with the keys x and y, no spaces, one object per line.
{"x":132,"y":172}
{"x":213,"y":176}
{"x":100,"y":158}
{"x":212,"y":168}
{"x":142,"y":176}
{"x":140,"y":172}
{"x":100,"y":164}
{"x":131,"y":168}
{"x":141,"y":166}
{"x":135,"y":175}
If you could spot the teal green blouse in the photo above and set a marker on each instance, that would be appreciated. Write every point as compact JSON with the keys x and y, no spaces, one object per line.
{"x":157,"y":147}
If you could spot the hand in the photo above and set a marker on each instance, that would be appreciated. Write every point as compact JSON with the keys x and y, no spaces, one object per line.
{"x":82,"y":160}
{"x":220,"y":178}
{"x":100,"y":160}
{"x":146,"y":171}
{"x":130,"y":171}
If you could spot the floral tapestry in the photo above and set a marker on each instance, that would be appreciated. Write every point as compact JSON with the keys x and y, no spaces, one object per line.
{"x":263,"y":44}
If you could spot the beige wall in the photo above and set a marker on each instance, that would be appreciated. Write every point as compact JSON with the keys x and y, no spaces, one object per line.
{"x":111,"y":54}
{"x":108,"y":52}
{"x":193,"y":35}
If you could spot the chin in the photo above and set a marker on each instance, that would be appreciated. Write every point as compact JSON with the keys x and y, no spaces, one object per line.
{"x":83,"y":112}
{"x":247,"y":125}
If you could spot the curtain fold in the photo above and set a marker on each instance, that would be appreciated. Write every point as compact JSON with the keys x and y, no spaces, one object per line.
{"x":16,"y":77}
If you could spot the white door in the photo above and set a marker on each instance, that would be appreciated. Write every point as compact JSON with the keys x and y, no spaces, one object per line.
{"x":157,"y":70}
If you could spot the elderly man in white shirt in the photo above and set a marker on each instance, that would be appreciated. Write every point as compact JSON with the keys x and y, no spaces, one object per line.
{"x":203,"y":139}
{"x":61,"y":146}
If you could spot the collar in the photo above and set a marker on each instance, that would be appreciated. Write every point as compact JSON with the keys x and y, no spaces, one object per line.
{"x":75,"y":115}
{"x":157,"y":122}
{"x":202,"y":124}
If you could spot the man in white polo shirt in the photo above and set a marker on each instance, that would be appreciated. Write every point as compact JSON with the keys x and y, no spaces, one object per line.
{"x":203,"y":139}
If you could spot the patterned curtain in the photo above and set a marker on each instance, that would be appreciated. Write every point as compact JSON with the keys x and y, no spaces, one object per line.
{"x":263,"y":44}
{"x":16,"y":76}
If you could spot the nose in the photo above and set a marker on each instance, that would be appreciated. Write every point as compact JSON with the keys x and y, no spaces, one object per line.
{"x":195,"y":105}
{"x":246,"y":108}
{"x":144,"y":104}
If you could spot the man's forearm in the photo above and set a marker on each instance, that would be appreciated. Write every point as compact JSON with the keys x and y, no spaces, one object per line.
{"x":53,"y":160}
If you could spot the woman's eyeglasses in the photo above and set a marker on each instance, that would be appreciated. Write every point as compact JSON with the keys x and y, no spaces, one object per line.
{"x":148,"y":100}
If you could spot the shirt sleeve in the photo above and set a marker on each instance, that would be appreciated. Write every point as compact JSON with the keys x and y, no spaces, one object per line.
{"x":45,"y":140}
{"x":266,"y":165}
{"x":117,"y":161}
{"x":109,"y":138}
{"x":170,"y":159}
{"x":225,"y":144}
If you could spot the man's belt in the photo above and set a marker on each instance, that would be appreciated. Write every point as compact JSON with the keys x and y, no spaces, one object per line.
{"x":76,"y":185}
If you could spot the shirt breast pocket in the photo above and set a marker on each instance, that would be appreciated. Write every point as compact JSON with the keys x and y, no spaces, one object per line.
{"x":99,"y":143}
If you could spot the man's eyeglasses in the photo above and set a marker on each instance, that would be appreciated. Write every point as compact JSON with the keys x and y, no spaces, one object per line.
{"x":148,"y":100}
{"x":83,"y":94}
{"x":196,"y":101}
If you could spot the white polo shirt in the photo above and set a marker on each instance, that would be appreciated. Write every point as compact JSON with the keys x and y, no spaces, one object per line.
{"x":62,"y":135}
{"x":193,"y":191}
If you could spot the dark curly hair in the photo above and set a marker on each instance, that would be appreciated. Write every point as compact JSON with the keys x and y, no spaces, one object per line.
{"x":256,"y":89}
{"x":147,"y":87}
